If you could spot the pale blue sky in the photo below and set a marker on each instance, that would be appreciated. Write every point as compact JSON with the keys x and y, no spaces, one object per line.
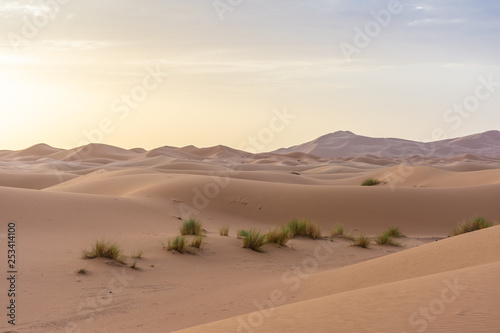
{"x":66,"y":70}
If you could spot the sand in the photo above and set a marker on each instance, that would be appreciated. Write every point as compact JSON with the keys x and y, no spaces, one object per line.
{"x":62,"y":201}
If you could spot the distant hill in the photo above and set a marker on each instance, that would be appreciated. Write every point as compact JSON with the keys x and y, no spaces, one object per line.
{"x":347,"y":144}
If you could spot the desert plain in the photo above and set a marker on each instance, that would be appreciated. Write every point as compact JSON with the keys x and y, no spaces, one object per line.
{"x":64,"y":200}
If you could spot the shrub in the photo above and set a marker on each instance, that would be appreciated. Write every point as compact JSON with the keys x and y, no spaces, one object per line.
{"x":472,"y":224}
{"x":196,"y":242}
{"x":279,"y":236}
{"x":137,"y":255}
{"x":386,"y":239}
{"x":224,"y":231}
{"x":304,"y":228}
{"x":178,"y":244}
{"x":252,"y":239}
{"x":362,"y":241}
{"x":337,"y":231}
{"x":191,"y":227}
{"x":370,"y":182}
{"x":394,"y":232}
{"x":102,"y":249}
{"x":240,"y":234}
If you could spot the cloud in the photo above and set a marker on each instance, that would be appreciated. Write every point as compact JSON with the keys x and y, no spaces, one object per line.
{"x":25,"y":7}
{"x":436,"y":22}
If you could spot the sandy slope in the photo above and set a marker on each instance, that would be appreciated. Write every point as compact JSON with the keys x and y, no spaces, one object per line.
{"x":404,"y":292}
{"x":62,"y":201}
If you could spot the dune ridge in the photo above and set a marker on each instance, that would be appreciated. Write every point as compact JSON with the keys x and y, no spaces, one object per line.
{"x":62,"y":201}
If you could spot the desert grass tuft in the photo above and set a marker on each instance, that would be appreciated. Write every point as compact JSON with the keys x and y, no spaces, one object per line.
{"x":304,"y":228}
{"x":386,"y":239}
{"x":362,"y":241}
{"x":197,"y":241}
{"x":473,"y":224}
{"x":240,"y":234}
{"x":103,"y":249}
{"x":279,"y":236}
{"x":338,"y":231}
{"x":137,"y":255}
{"x":394,"y":232}
{"x":252,"y":239}
{"x":83,"y":271}
{"x":191,"y":227}
{"x":134,"y":265}
{"x":178,"y":244}
{"x":224,"y":231}
{"x":370,"y":182}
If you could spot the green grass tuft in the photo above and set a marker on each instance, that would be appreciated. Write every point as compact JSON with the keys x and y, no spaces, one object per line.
{"x":179,"y":244}
{"x":224,"y":231}
{"x":386,"y":239}
{"x":191,"y":227}
{"x":370,"y":182}
{"x":394,"y":232}
{"x":279,"y":236}
{"x":337,"y":231}
{"x":103,"y":249}
{"x":197,"y":241}
{"x":252,"y":239}
{"x":362,"y":241}
{"x":473,"y":224}
{"x":304,"y":228}
{"x":137,"y":255}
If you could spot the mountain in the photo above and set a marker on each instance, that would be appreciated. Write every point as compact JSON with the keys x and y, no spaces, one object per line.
{"x":346,"y":144}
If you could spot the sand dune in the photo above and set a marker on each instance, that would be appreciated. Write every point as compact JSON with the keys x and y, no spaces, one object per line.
{"x":434,"y":277}
{"x":348,"y":144}
{"x":64,"y":200}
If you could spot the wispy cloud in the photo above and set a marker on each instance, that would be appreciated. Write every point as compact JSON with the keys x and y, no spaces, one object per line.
{"x":436,"y":22}
{"x":24,"y":7}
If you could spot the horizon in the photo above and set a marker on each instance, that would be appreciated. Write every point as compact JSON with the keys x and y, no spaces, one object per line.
{"x":247,"y":151}
{"x":143,"y":74}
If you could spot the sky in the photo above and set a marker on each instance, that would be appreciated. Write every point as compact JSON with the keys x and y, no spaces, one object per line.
{"x":245,"y":73}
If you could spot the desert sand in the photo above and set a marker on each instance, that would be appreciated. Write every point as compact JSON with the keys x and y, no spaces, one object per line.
{"x":62,"y":201}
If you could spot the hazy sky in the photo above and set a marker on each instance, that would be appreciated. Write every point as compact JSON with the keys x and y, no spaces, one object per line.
{"x":149,"y":73}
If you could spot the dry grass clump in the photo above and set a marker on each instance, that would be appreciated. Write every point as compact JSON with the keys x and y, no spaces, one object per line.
{"x":386,"y":239}
{"x":370,"y":182}
{"x":362,"y":241}
{"x":473,"y":224}
{"x":104,"y":249}
{"x":339,"y":232}
{"x":191,"y":227}
{"x":394,"y":232}
{"x":137,"y":255}
{"x":279,"y":236}
{"x":224,"y":231}
{"x":197,"y":241}
{"x":252,"y":239}
{"x":304,"y":228}
{"x":178,"y":244}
